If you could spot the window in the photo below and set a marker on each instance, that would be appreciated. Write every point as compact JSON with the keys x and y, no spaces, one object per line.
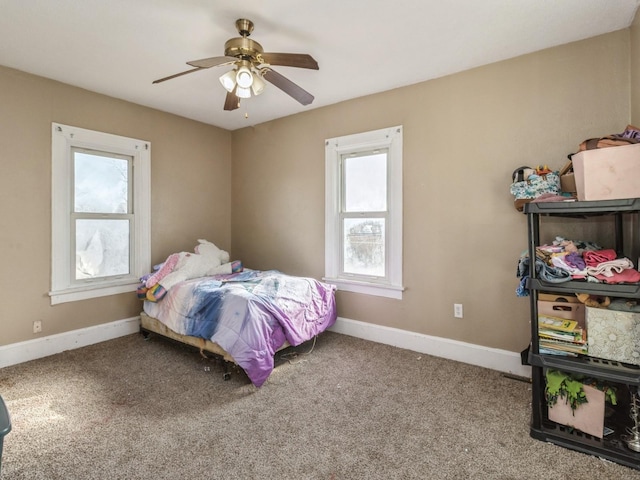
{"x":363,"y":223}
{"x":100,"y":213}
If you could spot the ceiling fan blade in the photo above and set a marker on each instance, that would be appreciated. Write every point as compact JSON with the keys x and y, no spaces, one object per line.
{"x":232,"y":101}
{"x":288,"y":87}
{"x":176,"y":75}
{"x":299,"y":60}
{"x":212,"y":62}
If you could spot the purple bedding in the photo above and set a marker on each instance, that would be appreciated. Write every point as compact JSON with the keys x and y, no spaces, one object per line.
{"x":249,"y":314}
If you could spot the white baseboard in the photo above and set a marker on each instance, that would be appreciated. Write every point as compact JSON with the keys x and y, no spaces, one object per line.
{"x":44,"y":346}
{"x":493,"y":358}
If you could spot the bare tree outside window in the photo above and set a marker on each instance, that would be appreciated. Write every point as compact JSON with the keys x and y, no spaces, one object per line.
{"x":364,"y":246}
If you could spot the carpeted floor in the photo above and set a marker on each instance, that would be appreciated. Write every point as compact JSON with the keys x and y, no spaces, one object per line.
{"x":351,"y":409}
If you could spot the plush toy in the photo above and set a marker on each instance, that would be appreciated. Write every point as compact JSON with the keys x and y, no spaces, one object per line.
{"x":522,"y":174}
{"x":207,"y":260}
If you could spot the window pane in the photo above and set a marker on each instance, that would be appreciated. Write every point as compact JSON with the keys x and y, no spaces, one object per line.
{"x":364,"y":246}
{"x":365,"y":183}
{"x":101,"y":183}
{"x":102,"y":248}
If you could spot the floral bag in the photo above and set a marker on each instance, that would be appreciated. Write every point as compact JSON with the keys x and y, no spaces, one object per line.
{"x":527,"y":186}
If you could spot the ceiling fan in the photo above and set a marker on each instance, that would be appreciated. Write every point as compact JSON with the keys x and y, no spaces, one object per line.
{"x":251,"y":65}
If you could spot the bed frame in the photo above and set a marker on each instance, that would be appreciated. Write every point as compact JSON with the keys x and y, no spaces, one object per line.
{"x":150,"y":325}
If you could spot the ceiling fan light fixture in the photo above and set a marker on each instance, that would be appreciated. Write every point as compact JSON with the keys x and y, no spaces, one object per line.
{"x":258,"y":85}
{"x":251,"y":68}
{"x":228,"y":80}
{"x":244,"y":77}
{"x":243,"y":92}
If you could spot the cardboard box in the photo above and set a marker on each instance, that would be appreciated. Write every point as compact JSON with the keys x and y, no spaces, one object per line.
{"x":613,"y":335}
{"x":568,"y":183}
{"x":567,"y":179}
{"x":607,"y":173}
{"x":588,"y":417}
{"x":556,"y":297}
{"x":568,"y":311}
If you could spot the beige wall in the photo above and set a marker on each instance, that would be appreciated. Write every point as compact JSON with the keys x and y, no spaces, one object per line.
{"x":191,"y":194}
{"x":463,"y":136}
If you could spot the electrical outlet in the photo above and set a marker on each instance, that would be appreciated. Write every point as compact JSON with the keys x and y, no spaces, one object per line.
{"x":457,"y":310}
{"x":37,"y":326}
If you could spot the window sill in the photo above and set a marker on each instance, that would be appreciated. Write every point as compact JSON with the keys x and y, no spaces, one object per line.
{"x":86,"y":293}
{"x":378,"y":290}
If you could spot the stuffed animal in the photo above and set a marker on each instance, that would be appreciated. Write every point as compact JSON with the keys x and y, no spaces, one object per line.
{"x":522,"y":174}
{"x":207,"y":260}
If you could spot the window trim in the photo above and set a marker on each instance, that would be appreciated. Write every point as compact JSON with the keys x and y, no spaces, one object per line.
{"x":64,"y":137}
{"x":391,"y":139}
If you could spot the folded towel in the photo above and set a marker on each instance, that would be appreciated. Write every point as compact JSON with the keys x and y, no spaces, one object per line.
{"x":607,"y":269}
{"x":626,"y":276}
{"x":594,"y":257}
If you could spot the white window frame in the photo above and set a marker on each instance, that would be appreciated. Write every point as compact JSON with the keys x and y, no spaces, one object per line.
{"x":63,"y":138}
{"x":335,"y":148}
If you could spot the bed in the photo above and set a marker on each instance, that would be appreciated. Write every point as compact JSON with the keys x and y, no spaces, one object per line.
{"x":243,"y":317}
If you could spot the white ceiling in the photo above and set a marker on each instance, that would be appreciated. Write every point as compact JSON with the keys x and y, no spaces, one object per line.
{"x":118,"y":47}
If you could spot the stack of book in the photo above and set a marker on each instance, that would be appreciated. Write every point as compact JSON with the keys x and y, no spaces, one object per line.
{"x":559,"y":336}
